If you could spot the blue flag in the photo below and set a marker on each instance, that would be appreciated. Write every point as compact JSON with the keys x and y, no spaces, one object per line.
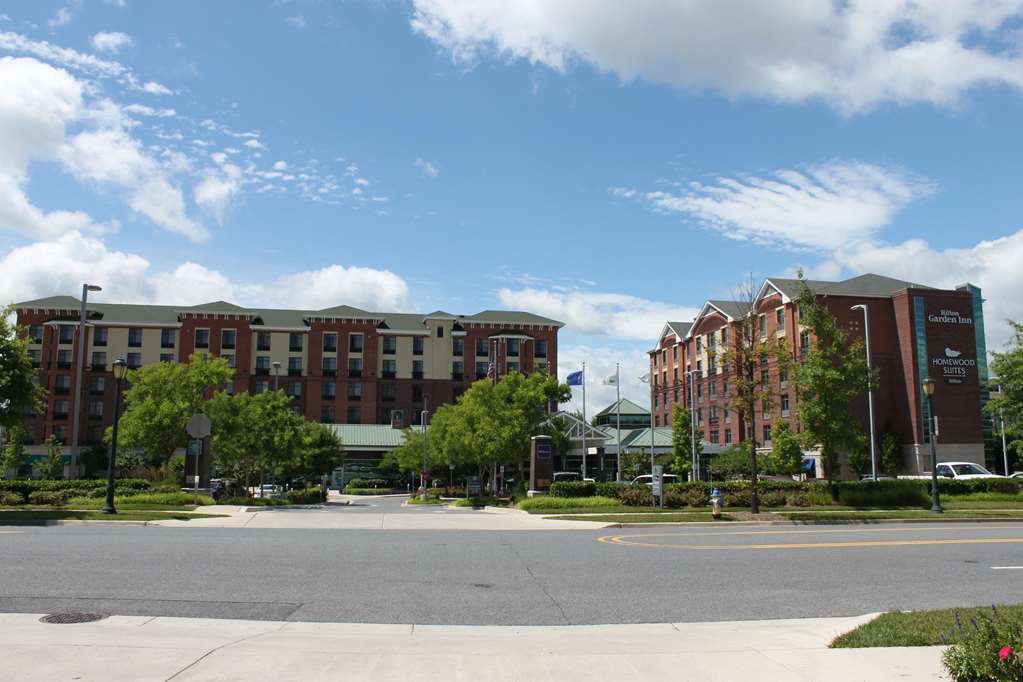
{"x":575,"y":379}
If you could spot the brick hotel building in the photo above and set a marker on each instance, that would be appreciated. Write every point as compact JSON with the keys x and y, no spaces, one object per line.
{"x":339,"y":365}
{"x":915,"y":331}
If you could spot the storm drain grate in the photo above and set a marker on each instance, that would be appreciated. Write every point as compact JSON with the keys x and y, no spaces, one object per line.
{"x":72,"y":617}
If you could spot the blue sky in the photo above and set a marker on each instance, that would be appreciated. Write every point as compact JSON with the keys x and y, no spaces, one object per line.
{"x":604,"y":166}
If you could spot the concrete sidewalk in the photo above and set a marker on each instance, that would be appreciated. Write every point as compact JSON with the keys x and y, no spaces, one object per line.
{"x":143,"y":648}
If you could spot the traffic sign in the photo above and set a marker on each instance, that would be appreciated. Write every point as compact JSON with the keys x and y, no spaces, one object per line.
{"x":199,"y":426}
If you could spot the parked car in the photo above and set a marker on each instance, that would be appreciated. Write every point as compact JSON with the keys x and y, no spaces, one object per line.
{"x":960,"y":471}
{"x":269,"y":490}
{"x":649,"y":480}
{"x":1016,"y":474}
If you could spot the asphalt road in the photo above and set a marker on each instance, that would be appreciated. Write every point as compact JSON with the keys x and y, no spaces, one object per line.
{"x":512,"y":578}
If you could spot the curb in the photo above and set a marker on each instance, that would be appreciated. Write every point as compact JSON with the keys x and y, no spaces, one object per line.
{"x":76,"y":522}
{"x":822,"y":522}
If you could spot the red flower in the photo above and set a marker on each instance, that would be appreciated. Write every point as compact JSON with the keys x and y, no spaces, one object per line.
{"x":1004,"y":653}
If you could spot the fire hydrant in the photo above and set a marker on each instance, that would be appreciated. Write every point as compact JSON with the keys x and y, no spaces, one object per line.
{"x":715,"y":503}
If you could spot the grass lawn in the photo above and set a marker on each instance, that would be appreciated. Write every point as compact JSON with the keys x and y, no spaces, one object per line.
{"x":61,"y":514}
{"x":429,"y":500}
{"x":673,"y":517}
{"x":917,"y":628}
{"x":841,"y":516}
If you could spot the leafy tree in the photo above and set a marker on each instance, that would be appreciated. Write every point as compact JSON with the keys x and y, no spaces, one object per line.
{"x":786,"y":453}
{"x":20,"y":395}
{"x":745,"y":356}
{"x":53,"y":466}
{"x":160,"y":400}
{"x":176,"y":466}
{"x":321,"y":450}
{"x":1008,"y":405}
{"x":891,"y":454}
{"x":13,"y":457}
{"x":682,"y":441}
{"x":408,"y":457}
{"x":830,"y":375}
{"x":734,"y":462}
{"x":859,"y":457}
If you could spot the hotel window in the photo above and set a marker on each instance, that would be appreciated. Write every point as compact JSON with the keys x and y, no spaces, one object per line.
{"x":99,"y":360}
{"x":262,"y":364}
{"x":482,"y":349}
{"x":785,"y":404}
{"x":228,"y":338}
{"x":724,"y":387}
{"x":699,"y":416}
{"x":329,"y":390}
{"x":294,"y":366}
{"x":329,"y":366}
{"x":62,"y":383}
{"x":60,"y":409}
{"x":67,"y":333}
{"x":783,"y":377}
{"x":263,"y":341}
{"x":657,"y":420}
{"x":779,"y":317}
{"x":355,"y":367}
{"x":699,"y":367}
{"x":354,"y":416}
{"x":765,"y":409}
{"x":295,"y":342}
{"x":417,"y":345}
{"x":98,"y":385}
{"x":728,"y":415}
{"x":166,"y":338}
{"x":711,"y":341}
{"x":35,"y":334}
{"x":674,"y":353}
{"x":390,"y":345}
{"x":457,"y":370}
{"x":714,"y":437}
{"x":481,"y":369}
{"x":540,"y":349}
{"x":202,"y":338}
{"x":417,"y":369}
{"x":229,"y":388}
{"x":724,"y":336}
{"x":674,"y":397}
{"x":440,"y":332}
{"x":511,"y":367}
{"x":728,"y":436}
{"x":767,"y":434}
{"x":355,"y":343}
{"x":330,"y":342}
{"x":355,"y":391}
{"x":713,"y":388}
{"x":230,"y":359}
{"x":294,"y":389}
{"x":328,"y":414}
{"x":513,"y":348}
{"x":699,"y":392}
{"x":458,"y":347}
{"x":656,"y":401}
{"x":99,"y":336}
{"x":762,"y":325}
{"x":134,"y":338}
{"x":36,"y":356}
{"x":417,"y":393}
{"x":166,"y":357}
{"x":389,"y":369}
{"x":664,"y":357}
{"x":804,"y":341}
{"x":60,"y":433}
{"x":674,"y":374}
{"x":134,"y":360}
{"x":713,"y":413}
{"x":94,"y":434}
{"x":63,"y":359}
{"x":95,"y":409}
{"x":262,"y":385}
{"x":388,"y":392}
{"x":699,"y":344}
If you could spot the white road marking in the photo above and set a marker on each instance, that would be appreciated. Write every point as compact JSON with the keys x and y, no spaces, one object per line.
{"x":1007,"y":568}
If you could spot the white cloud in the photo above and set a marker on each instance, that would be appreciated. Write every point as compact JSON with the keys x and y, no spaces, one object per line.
{"x":595,"y":313}
{"x":852,"y":55}
{"x":427,"y":167}
{"x":218,"y":189}
{"x":111,"y":41}
{"x":600,"y":363}
{"x":822,"y":207}
{"x":63,"y":17}
{"x":253,"y":144}
{"x":116,"y":3}
{"x":361,"y":181}
{"x":143,"y":110}
{"x":280,"y":165}
{"x":154,"y":88}
{"x":296,"y":20}
{"x":61,"y":265}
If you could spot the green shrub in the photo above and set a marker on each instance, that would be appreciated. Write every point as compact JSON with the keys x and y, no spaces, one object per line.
{"x":738,"y":497}
{"x":479,"y":501}
{"x":313,"y":495}
{"x":573,"y":489}
{"x":636,"y":496}
{"x":897,"y":493}
{"x":379,"y":483}
{"x":56,"y":498}
{"x":10,"y":498}
{"x":554,"y":503}
{"x":976,"y":485}
{"x":696,"y":496}
{"x":253,"y":501}
{"x":988,"y":648}
{"x":773,"y":498}
{"x":609,"y":489}
{"x":365,"y":491}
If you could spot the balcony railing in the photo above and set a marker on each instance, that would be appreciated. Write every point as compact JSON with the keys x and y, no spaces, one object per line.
{"x":294,"y":349}
{"x":388,"y":375}
{"x":294,"y":371}
{"x":354,"y":373}
{"x":170,"y":344}
{"x":329,"y":371}
{"x":330,"y":349}
{"x":263,"y":347}
{"x":262,"y":371}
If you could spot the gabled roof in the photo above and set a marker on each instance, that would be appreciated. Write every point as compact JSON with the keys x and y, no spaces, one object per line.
{"x":790,"y":288}
{"x":510,"y":316}
{"x":55,"y":302}
{"x":275,"y":317}
{"x":346,"y":311}
{"x":627,"y":407}
{"x":375,"y":437}
{"x":870,"y":285}
{"x":219,"y":307}
{"x":734,"y":310}
{"x":440,"y":315}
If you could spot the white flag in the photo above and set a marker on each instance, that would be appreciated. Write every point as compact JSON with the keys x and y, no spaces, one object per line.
{"x":611,"y":380}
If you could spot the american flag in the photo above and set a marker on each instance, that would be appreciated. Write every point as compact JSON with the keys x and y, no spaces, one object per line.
{"x":490,"y":371}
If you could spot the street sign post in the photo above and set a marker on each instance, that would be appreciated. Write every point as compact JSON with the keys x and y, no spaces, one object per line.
{"x":657,"y":479}
{"x":200,"y":428}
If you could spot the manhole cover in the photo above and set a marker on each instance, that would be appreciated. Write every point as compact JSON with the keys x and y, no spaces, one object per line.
{"x":64,"y":618}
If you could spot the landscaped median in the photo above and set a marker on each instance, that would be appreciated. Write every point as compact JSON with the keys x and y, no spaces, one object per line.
{"x":984,"y":643}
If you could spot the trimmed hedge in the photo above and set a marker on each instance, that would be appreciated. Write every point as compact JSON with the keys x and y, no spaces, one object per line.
{"x":311,"y":495}
{"x":369,"y":483}
{"x":76,"y":488}
{"x":56,"y":498}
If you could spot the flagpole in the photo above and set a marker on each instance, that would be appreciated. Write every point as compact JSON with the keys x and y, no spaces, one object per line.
{"x":618,"y":419}
{"x":584,"y":420}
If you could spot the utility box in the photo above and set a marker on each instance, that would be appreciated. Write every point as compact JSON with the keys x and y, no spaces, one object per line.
{"x":541,"y":465}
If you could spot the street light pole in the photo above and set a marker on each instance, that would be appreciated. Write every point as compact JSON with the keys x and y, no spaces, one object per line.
{"x":928,"y":384}
{"x":422,"y":475}
{"x":1001,"y":427}
{"x":694,"y":458}
{"x":870,"y":391}
{"x":80,"y":360}
{"x":120,"y":369}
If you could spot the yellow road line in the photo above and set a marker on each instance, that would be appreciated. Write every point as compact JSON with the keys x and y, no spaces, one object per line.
{"x":624,"y":541}
{"x":794,"y":531}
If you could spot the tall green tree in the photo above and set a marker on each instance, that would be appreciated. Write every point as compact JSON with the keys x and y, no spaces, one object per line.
{"x":12,"y":456}
{"x":891,"y":454}
{"x":1008,"y":405}
{"x":786,"y":453}
{"x":52,"y":468}
{"x":161,"y":399}
{"x":682,"y":441}
{"x":745,"y":356}
{"x":20,"y":394}
{"x":321,"y":450}
{"x":829,"y":376}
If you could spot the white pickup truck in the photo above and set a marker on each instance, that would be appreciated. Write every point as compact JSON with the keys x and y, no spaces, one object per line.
{"x":960,"y":471}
